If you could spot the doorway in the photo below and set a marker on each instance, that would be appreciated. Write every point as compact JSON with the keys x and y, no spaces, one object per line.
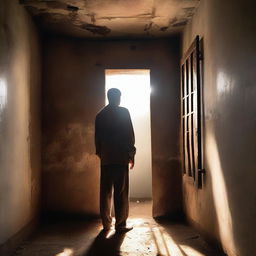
{"x":134,"y":85}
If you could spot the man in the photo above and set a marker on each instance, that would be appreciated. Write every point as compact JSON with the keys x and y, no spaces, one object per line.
{"x":114,"y":140}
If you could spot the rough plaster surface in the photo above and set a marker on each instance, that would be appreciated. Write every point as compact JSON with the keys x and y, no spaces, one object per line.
{"x":73,"y":93}
{"x":226,"y":206}
{"x":112,"y":18}
{"x":19,"y":120}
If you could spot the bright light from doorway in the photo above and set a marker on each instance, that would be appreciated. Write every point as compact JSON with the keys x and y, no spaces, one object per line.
{"x":134,"y":85}
{"x":135,"y":88}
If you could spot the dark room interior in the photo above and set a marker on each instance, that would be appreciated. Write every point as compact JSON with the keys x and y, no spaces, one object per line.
{"x":192,"y":188}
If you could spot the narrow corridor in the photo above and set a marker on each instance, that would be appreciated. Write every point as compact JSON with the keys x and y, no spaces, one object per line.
{"x":188,"y":65}
{"x":84,"y":238}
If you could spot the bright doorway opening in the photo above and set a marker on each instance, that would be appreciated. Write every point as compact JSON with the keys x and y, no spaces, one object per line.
{"x":134,"y":85}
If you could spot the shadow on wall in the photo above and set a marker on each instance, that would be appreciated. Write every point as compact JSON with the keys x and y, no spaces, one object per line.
{"x":230,"y":157}
{"x":165,"y":186}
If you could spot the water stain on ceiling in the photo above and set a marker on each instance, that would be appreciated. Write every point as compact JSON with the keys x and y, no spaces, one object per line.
{"x":112,"y":18}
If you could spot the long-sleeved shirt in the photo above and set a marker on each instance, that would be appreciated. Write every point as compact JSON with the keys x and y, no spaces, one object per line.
{"x":114,"y":135}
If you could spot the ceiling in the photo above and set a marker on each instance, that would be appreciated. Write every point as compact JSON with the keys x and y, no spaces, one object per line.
{"x":112,"y":18}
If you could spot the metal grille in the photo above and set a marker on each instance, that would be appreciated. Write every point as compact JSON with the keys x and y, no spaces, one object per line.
{"x":191,"y":110}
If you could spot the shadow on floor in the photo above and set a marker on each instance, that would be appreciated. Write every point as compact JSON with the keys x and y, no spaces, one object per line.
{"x":77,"y":237}
{"x":106,"y":244}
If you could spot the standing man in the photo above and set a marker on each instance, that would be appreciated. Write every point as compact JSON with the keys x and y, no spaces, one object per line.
{"x":114,"y":140}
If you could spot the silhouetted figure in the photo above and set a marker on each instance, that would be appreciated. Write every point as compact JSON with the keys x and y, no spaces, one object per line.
{"x":114,"y":140}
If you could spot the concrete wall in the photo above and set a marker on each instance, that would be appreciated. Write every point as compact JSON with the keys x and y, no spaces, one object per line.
{"x":19,"y":121}
{"x":225,"y":208}
{"x":74,"y":91}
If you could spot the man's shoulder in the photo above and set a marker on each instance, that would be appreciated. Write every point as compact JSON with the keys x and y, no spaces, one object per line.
{"x":124,"y":112}
{"x":123,"y":109}
{"x":109,"y":109}
{"x":102,"y":111}
{"x":106,"y":111}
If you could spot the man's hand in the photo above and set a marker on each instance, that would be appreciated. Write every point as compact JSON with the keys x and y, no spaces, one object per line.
{"x":131,"y":162}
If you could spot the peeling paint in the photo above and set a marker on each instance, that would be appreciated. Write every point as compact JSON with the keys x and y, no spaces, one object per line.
{"x":72,"y":8}
{"x":55,"y":4}
{"x":139,"y":16}
{"x":99,"y":30}
{"x":175,"y":22}
{"x":100,"y":17}
{"x":180,"y":23}
{"x":164,"y":28}
{"x":148,"y":27}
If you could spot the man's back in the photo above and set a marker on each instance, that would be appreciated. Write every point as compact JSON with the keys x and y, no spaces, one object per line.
{"x":114,"y":136}
{"x":114,"y":140}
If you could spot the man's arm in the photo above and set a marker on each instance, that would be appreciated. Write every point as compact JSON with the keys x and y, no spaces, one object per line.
{"x":131,"y":141}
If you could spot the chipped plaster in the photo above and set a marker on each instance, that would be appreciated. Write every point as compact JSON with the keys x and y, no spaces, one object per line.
{"x":112,"y":18}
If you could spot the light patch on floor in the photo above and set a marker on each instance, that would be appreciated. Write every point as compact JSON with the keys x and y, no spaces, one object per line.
{"x":66,"y":252}
{"x":148,"y":238}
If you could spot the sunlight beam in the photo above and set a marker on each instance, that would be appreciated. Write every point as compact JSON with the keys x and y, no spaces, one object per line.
{"x":3,"y":95}
{"x":220,"y":194}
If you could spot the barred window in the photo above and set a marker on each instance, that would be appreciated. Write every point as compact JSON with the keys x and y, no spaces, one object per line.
{"x":191,"y":111}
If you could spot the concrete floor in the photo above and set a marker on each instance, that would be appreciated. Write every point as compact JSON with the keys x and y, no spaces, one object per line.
{"x":84,"y":238}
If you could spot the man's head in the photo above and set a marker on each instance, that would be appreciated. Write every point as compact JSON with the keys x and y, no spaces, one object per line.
{"x":114,"y":96}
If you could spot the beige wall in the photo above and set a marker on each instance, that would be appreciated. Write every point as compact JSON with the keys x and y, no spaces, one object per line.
{"x":74,"y":91}
{"x":19,"y":120}
{"x":226,"y":206}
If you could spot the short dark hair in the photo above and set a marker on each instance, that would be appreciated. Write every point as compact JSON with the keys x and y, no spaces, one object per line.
{"x":113,"y":94}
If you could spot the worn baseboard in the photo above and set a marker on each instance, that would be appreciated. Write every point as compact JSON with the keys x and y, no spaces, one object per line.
{"x":9,"y":247}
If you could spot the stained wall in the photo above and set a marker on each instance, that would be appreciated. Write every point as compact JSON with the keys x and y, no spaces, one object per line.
{"x":73,"y":93}
{"x":19,"y":123}
{"x":225,"y":208}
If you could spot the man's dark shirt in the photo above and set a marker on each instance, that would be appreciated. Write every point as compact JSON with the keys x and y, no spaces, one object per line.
{"x":114,"y":135}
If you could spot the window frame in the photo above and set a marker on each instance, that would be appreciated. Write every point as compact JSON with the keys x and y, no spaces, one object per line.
{"x":191,"y":112}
